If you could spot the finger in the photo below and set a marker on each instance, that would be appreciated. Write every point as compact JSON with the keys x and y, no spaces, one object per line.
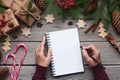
{"x":91,"y":49}
{"x":49,"y":54}
{"x":85,"y":54}
{"x":87,"y":57}
{"x":38,"y":49}
{"x":42,"y":44}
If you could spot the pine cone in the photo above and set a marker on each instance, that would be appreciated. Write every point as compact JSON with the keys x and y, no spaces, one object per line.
{"x":116,"y":20}
{"x":40,"y":4}
{"x":3,"y":73}
{"x":92,"y":5}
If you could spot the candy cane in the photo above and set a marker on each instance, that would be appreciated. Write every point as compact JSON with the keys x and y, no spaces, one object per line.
{"x":14,"y":64}
{"x":22,"y":59}
{"x":14,"y":74}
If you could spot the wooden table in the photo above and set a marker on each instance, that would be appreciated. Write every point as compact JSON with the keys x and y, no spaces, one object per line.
{"x":109,"y":56}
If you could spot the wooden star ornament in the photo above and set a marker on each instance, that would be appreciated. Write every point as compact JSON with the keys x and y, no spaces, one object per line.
{"x":26,"y":32}
{"x":81,"y":24}
{"x":49,"y":18}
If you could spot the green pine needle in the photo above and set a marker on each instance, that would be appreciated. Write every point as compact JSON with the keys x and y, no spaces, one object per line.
{"x":2,"y":7}
{"x":104,"y":10}
{"x":2,"y":10}
{"x":2,"y":4}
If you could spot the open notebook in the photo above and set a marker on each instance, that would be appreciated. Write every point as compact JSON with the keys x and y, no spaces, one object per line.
{"x":66,"y":57}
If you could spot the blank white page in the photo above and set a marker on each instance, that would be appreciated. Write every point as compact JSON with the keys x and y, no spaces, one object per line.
{"x":67,"y":57}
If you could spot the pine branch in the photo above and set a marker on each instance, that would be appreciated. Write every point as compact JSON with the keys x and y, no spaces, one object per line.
{"x":103,"y":12}
{"x":2,"y":4}
{"x":2,"y":7}
{"x":57,"y":12}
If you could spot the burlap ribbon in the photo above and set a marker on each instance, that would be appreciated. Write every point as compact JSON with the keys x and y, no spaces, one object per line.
{"x":11,"y":4}
{"x":28,"y":15}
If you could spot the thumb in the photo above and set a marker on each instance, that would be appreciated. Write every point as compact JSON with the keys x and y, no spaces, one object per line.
{"x":85,"y":55}
{"x":49,"y":54}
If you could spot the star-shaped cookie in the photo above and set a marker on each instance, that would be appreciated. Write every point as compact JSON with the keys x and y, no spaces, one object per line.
{"x":26,"y":32}
{"x":81,"y":24}
{"x":49,"y":18}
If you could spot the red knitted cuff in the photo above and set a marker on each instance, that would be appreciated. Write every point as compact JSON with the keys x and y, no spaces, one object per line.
{"x":40,"y":73}
{"x":99,"y":73}
{"x":97,"y":68}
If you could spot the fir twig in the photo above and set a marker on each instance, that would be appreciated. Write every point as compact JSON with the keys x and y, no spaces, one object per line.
{"x":2,"y":7}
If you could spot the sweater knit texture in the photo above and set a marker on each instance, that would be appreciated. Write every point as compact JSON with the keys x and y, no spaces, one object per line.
{"x":98,"y":72}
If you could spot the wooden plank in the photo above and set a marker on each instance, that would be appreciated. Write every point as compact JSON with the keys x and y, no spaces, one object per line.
{"x":27,"y":72}
{"x":38,"y":33}
{"x":108,"y":54}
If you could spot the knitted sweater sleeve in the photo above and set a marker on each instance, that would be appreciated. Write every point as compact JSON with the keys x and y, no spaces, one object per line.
{"x":99,"y":73}
{"x":40,"y":73}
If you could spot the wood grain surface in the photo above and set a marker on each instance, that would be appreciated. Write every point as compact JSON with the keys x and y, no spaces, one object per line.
{"x":109,"y":56}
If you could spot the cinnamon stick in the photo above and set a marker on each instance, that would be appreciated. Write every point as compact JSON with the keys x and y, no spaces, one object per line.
{"x":87,"y":30}
{"x":96,"y":25}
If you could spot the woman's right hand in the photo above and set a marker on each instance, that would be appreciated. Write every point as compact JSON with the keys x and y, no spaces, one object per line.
{"x":94,"y":52}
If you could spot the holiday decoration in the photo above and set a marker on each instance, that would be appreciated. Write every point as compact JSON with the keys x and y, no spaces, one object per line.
{"x":113,"y":41}
{"x":41,"y":4}
{"x":65,"y":8}
{"x":25,"y":10}
{"x":49,"y":18}
{"x":92,"y":5}
{"x":3,"y":71}
{"x":70,"y":23}
{"x":8,"y":22}
{"x":2,"y":23}
{"x":101,"y":31}
{"x":66,"y":4}
{"x":89,"y":8}
{"x":6,"y":44}
{"x":39,"y":25}
{"x":81,"y":23}
{"x":28,"y":12}
{"x":11,"y":4}
{"x":2,"y":7}
{"x":16,"y":70}
{"x":26,"y":32}
{"x":116,"y":20}
{"x":92,"y":27}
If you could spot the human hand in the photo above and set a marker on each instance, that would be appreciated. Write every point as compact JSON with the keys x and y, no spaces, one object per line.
{"x":41,"y":59}
{"x":94,"y":52}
